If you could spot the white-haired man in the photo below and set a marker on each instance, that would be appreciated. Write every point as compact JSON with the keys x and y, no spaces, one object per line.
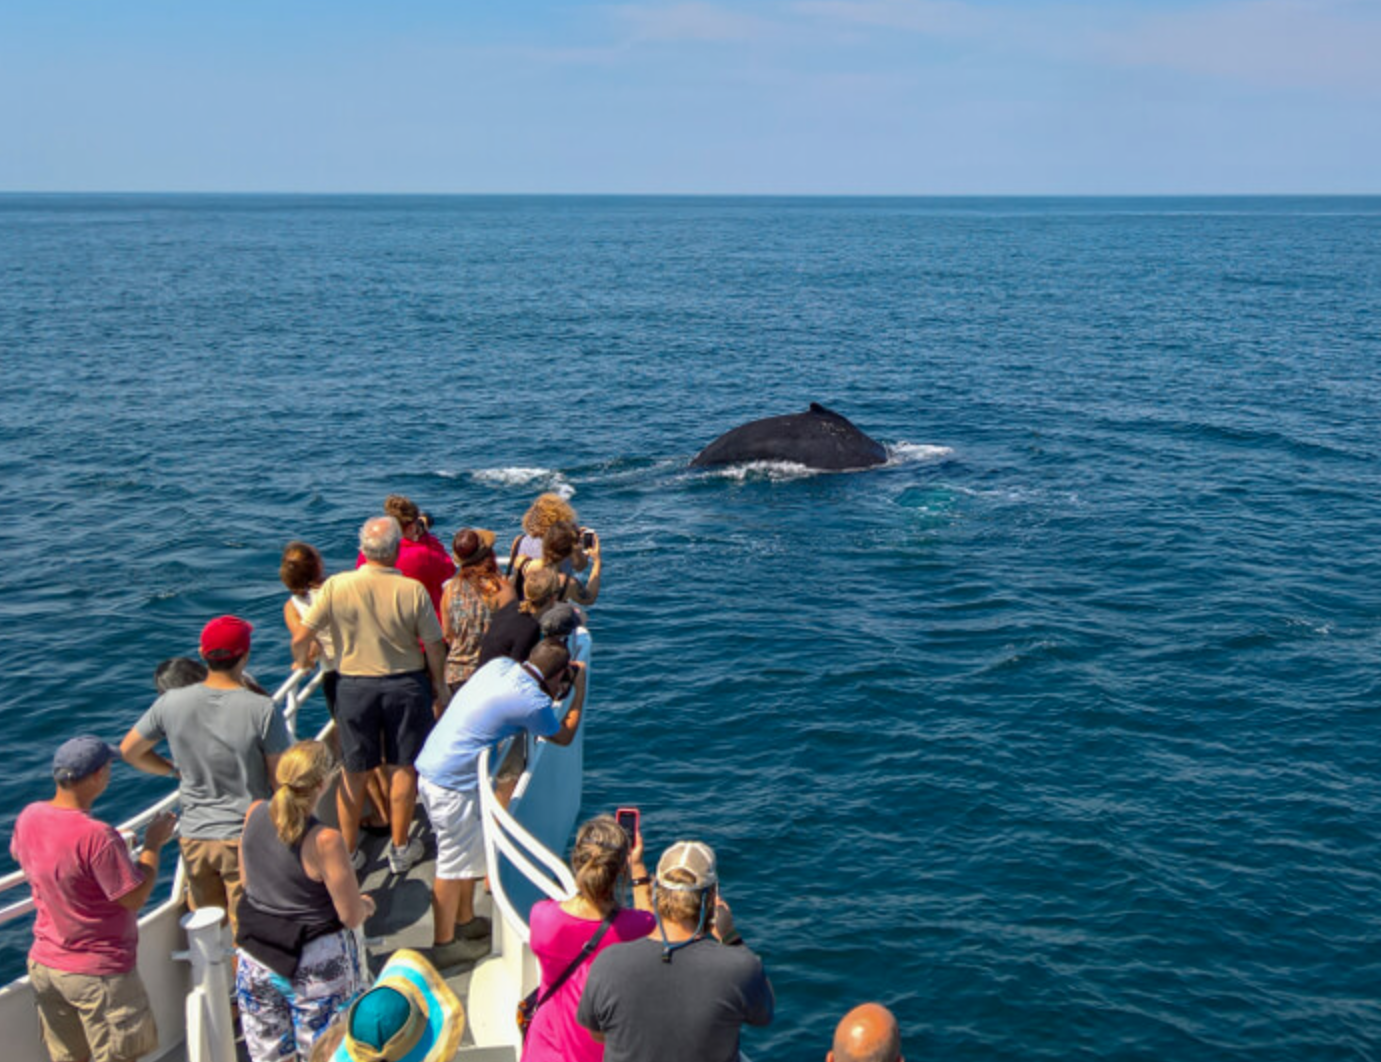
{"x":392,"y":680}
{"x":683,"y":994}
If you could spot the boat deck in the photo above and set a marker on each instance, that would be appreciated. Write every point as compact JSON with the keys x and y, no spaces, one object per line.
{"x":403,"y":919}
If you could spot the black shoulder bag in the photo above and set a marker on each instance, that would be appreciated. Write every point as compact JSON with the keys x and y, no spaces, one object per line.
{"x":527,"y":1008}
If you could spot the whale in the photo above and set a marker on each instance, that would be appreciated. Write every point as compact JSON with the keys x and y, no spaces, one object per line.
{"x":818,"y":438}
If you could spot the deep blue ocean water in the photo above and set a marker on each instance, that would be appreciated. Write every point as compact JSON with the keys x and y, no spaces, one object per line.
{"x":1058,"y":734}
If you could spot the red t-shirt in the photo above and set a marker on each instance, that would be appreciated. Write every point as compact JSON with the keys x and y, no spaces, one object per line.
{"x":77,"y":868}
{"x":425,"y":560}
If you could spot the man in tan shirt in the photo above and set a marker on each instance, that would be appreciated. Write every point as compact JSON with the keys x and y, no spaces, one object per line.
{"x":392,"y":680}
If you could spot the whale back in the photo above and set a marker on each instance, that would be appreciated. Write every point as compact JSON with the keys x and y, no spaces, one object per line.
{"x":818,"y":438}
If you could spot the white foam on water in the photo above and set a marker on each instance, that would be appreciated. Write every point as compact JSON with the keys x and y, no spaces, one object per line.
{"x":906,"y":453}
{"x":547,"y":479}
{"x":774,"y":471}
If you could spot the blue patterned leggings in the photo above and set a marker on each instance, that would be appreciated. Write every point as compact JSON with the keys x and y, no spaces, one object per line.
{"x":282,"y":1018}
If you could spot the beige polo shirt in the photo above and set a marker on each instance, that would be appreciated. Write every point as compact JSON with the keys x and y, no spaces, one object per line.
{"x":377,"y":616}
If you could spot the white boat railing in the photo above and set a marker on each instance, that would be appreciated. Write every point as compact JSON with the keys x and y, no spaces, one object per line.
{"x":161,"y":939}
{"x":519,"y":842}
{"x":290,"y":697}
{"x":504,"y":835}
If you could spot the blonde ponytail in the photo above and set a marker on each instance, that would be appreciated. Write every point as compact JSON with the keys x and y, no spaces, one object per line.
{"x":301,"y":772}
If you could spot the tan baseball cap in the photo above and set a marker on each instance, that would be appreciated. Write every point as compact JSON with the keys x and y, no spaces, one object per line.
{"x":694,"y":857}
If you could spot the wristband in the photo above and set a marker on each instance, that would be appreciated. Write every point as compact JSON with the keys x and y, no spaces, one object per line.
{"x":640,"y":882}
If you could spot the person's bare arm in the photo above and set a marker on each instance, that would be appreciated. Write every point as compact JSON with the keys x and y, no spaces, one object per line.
{"x":571,"y":722}
{"x":436,"y":667}
{"x":333,"y":863}
{"x":589,"y":593}
{"x":447,"y":631}
{"x":159,"y":831}
{"x":138,"y":752}
{"x":295,"y":628}
{"x":637,"y":870}
{"x":304,"y":638}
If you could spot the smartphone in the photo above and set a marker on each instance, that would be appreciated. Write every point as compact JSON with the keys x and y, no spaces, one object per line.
{"x":587,"y":539}
{"x":630,"y":820}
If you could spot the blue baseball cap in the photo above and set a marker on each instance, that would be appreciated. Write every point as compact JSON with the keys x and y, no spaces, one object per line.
{"x":81,"y":757}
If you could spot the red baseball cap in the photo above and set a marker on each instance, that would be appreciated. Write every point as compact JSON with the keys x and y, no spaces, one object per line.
{"x":225,"y":636}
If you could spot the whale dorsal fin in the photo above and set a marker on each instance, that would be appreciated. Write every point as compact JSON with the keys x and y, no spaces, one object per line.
{"x":816,"y":407}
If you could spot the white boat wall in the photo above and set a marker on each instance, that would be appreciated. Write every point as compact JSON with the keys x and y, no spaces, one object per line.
{"x":525,"y":845}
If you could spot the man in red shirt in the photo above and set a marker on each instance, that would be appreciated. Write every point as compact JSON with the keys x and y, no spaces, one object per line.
{"x":421,"y":555}
{"x":87,"y":892}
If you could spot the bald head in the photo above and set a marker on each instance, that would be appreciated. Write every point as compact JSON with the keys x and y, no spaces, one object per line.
{"x":868,"y":1033}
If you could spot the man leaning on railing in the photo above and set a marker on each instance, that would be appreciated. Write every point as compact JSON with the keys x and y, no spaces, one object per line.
{"x":87,"y":893}
{"x":500,"y":700}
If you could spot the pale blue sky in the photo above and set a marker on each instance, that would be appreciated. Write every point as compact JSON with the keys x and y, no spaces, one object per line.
{"x":789,"y":96}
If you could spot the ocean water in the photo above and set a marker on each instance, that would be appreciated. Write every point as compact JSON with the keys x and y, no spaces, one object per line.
{"x":1058,"y":734}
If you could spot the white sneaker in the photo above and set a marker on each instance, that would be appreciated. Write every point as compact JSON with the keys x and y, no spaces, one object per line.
{"x":401,"y":860}
{"x":358,"y":860}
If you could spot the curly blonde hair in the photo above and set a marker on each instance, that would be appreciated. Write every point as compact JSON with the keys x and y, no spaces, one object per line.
{"x":547,"y":510}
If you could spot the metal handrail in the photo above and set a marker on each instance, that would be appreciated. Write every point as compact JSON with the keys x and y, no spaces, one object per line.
{"x":504,"y":833}
{"x":289,"y":696}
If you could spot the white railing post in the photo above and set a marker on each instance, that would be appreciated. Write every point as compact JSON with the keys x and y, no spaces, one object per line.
{"x":210,"y":1025}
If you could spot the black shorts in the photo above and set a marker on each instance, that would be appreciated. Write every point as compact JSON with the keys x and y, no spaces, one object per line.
{"x":383,"y":719}
{"x":329,"y":681}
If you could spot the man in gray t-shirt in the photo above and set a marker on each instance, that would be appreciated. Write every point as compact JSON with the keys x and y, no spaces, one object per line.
{"x":225,"y":743}
{"x":683,"y":997}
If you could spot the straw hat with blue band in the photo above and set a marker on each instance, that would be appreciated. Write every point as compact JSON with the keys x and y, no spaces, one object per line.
{"x":410,"y":1015}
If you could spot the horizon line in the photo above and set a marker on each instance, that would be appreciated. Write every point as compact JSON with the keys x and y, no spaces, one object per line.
{"x":694,"y":195}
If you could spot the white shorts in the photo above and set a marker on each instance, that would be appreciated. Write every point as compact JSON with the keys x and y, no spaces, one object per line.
{"x":455,"y":818}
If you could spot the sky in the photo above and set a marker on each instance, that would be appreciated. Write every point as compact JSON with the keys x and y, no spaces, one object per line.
{"x":763,"y":97}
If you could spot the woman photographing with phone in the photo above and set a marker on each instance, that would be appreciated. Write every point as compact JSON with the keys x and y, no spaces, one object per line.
{"x":558,"y":548}
{"x":562,"y":935}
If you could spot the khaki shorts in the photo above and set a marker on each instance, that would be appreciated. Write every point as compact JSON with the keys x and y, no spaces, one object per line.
{"x":103,"y":1018}
{"x":213,"y":874}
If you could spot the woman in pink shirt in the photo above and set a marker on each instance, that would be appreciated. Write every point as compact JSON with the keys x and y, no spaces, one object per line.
{"x":601,"y":859}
